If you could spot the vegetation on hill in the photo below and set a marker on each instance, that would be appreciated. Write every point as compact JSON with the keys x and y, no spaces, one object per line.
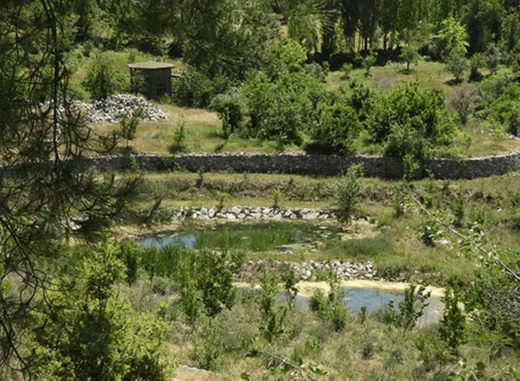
{"x":77,"y":304}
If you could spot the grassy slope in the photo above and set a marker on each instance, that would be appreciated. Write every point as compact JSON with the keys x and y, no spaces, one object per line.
{"x":366,"y":352}
{"x":203,"y":128}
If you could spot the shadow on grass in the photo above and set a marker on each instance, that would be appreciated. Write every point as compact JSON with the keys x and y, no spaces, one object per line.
{"x":176,"y":149}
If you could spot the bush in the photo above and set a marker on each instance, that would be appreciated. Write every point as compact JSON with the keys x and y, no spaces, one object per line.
{"x":412,"y":307}
{"x":492,"y":58}
{"x":231,"y":110}
{"x":103,"y":80}
{"x":317,"y":71}
{"x":347,"y":192}
{"x":83,"y":339}
{"x":409,"y":55}
{"x":456,"y":65}
{"x":453,"y":322}
{"x":204,"y":278}
{"x":476,"y":62}
{"x":505,"y":110}
{"x":179,"y":138}
{"x":336,"y":129}
{"x":330,"y":308}
{"x":282,"y":109}
{"x":368,"y":62}
{"x":128,"y":125}
{"x":463,"y":101}
{"x":273,"y":317}
{"x":195,"y":89}
{"x":346,"y":69}
{"x":410,"y":120}
{"x":208,"y":346}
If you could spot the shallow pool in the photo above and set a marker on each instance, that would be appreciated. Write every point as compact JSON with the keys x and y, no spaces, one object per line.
{"x":257,"y":237}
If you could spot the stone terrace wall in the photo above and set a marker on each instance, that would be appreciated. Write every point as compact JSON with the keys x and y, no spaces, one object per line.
{"x":375,"y":166}
{"x":326,"y":165}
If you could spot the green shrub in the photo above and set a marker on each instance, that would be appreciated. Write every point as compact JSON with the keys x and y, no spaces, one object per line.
{"x":330,"y":308}
{"x":273,"y":317}
{"x":129,"y":123}
{"x":492,"y":58}
{"x":336,"y":129}
{"x":205,"y":278}
{"x":130,"y":255}
{"x":346,"y":69}
{"x":476,"y":62}
{"x":103,"y":80}
{"x":505,"y":110}
{"x":368,"y":62}
{"x":453,"y":321}
{"x":409,"y":55}
{"x":413,"y":306}
{"x":208,"y":346}
{"x":230,"y":109}
{"x":456,"y":65}
{"x":284,"y":108}
{"x":360,"y":96}
{"x":410,"y":120}
{"x":83,"y":339}
{"x":458,"y":208}
{"x":317,"y":71}
{"x":347,"y":192}
{"x":195,"y":89}
{"x":367,"y":350}
{"x":179,"y":138}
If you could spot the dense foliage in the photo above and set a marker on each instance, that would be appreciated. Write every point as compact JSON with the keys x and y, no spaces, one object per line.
{"x":66,"y":305}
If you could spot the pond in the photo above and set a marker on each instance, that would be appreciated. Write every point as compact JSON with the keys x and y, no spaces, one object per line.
{"x":374,"y":300}
{"x":257,"y":237}
{"x":280,"y":236}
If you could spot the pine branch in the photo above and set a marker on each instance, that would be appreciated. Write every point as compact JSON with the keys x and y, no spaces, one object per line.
{"x":490,"y":254}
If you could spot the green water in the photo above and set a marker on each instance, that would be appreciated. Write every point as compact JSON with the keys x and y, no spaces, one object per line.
{"x":257,"y":237}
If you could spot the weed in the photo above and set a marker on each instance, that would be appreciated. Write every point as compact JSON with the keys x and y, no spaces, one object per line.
{"x":179,"y":138}
{"x":221,"y":197}
{"x":291,"y":290}
{"x":273,"y":318}
{"x":413,"y":306}
{"x":367,"y":350}
{"x":208,"y":346}
{"x":277,"y":197}
{"x":394,"y":358}
{"x":453,"y":322}
{"x":347,"y":192}
{"x":458,"y":210}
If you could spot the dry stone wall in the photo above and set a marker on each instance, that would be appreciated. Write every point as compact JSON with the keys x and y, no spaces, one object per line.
{"x":326,"y":165}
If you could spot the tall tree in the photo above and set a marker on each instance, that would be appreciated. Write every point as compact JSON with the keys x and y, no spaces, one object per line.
{"x":483,"y":20}
{"x":367,"y":20}
{"x":350,"y":14}
{"x":226,"y":37}
{"x":43,"y":200}
{"x":387,"y":20}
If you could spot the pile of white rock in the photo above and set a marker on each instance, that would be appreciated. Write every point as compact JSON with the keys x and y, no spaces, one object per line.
{"x":112,"y":109}
{"x":312,"y":270}
{"x":248,"y":213}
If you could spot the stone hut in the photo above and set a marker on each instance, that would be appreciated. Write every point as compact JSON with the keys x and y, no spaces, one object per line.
{"x":153,"y":79}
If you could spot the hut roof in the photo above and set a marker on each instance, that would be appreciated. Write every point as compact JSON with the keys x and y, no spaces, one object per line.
{"x":150,"y":65}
